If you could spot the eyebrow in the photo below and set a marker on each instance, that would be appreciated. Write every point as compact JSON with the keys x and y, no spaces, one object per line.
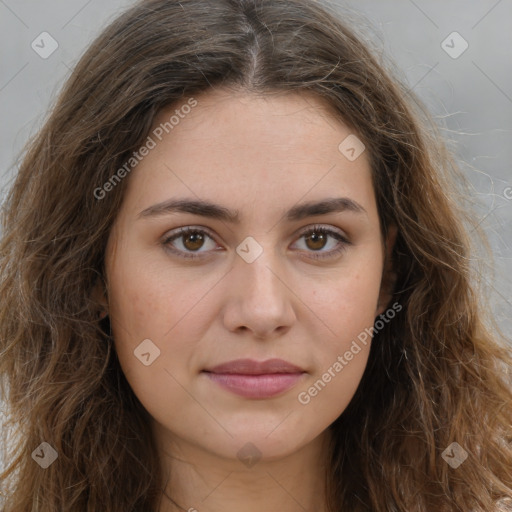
{"x":218,"y":212}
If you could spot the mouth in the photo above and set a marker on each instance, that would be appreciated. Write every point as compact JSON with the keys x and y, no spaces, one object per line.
{"x":257,"y":380}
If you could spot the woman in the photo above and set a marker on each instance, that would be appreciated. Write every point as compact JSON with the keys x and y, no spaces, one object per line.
{"x":235,"y":276}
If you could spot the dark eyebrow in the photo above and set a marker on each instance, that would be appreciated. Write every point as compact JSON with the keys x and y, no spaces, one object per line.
{"x":335,"y":205}
{"x":214,"y":211}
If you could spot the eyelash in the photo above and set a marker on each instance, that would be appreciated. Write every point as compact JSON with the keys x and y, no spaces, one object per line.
{"x":181,"y":232}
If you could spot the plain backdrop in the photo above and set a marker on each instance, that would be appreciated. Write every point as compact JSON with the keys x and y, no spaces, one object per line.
{"x":469,"y":92}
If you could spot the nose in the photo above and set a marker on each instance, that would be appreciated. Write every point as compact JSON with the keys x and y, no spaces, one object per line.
{"x":259,"y":299}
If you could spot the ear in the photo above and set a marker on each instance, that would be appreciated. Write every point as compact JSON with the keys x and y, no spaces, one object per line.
{"x":388,"y":274}
{"x":99,"y":294}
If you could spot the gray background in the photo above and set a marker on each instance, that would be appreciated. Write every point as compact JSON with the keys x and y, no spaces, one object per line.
{"x":470,"y":96}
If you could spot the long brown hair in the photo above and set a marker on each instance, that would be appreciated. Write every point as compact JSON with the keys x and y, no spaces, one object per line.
{"x":437,"y":373}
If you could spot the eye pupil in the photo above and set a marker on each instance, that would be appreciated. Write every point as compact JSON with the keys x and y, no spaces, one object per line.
{"x":315,"y":237}
{"x":195,"y":237}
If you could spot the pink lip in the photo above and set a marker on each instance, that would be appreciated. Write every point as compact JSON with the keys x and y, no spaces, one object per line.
{"x":253,"y":379}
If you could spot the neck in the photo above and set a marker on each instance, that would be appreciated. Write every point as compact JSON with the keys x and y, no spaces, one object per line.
{"x":199,"y":481}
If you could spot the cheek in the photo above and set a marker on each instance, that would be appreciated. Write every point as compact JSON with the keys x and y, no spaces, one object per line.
{"x":147,"y":299}
{"x":327,"y":394}
{"x":346,"y":310}
{"x":151,"y":329}
{"x":168,"y":307}
{"x":347,"y":303}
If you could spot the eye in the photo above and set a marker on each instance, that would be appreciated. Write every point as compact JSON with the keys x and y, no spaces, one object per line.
{"x":317,"y":237}
{"x":190,"y":238}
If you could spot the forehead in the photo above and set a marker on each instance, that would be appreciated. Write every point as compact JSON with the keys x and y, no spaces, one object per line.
{"x":249,"y":151}
{"x":250,"y":120}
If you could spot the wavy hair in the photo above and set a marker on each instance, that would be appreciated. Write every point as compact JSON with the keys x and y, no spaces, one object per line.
{"x":438,"y":373}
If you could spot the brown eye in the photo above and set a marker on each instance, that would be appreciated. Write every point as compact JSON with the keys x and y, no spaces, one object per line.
{"x":316,"y":240}
{"x":318,"y":237}
{"x":193,"y":241}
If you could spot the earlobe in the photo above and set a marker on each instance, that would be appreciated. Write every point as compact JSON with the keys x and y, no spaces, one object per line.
{"x":388,"y":274}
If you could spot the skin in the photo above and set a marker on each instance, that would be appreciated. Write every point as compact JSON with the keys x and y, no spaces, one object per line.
{"x":260,"y":156}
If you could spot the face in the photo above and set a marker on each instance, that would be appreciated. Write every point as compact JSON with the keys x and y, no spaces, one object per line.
{"x":261,"y":274}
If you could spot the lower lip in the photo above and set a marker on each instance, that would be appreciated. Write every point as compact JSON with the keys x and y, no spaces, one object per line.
{"x":256,"y":386}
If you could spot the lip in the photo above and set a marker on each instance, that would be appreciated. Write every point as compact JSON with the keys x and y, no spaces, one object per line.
{"x":255,"y":379}
{"x":253,"y":367}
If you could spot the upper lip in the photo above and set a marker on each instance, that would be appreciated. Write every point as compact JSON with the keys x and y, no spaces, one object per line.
{"x":252,"y":367}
